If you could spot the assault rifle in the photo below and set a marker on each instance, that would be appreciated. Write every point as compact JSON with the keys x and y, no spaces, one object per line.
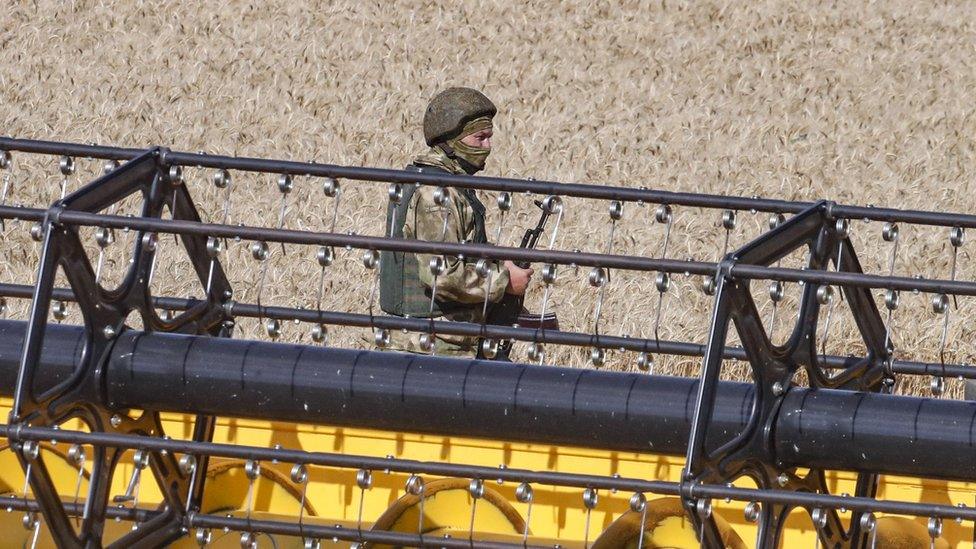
{"x":510,"y":310}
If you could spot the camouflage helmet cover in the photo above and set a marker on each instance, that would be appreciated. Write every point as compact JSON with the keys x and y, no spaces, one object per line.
{"x":451,"y":109}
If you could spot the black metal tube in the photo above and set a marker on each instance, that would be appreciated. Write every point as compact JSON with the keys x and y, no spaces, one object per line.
{"x":607,"y":410}
{"x":859,"y":431}
{"x":19,"y":212}
{"x":416,"y":393}
{"x":70,"y":149}
{"x":62,"y":350}
{"x":596,"y":191}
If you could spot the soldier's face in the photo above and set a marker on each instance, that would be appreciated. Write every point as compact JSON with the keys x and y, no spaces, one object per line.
{"x":480,"y":139}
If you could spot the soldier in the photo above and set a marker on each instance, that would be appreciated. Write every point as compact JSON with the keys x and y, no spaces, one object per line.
{"x":458,"y":131}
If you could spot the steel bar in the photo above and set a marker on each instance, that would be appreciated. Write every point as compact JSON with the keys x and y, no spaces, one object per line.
{"x":558,"y":337}
{"x":307,"y":529}
{"x":15,"y":503}
{"x":812,"y":501}
{"x":22,"y":213}
{"x":469,"y":471}
{"x":337,"y":532}
{"x":954,"y":287}
{"x":597,"y":191}
{"x":343,"y":461}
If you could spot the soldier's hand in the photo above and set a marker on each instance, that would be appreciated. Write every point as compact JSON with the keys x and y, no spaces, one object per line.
{"x":518,"y":278}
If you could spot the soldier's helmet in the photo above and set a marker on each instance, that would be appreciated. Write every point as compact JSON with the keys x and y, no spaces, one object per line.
{"x":451,"y":109}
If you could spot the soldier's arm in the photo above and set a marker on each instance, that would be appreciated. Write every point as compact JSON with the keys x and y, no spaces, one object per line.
{"x":460,"y":282}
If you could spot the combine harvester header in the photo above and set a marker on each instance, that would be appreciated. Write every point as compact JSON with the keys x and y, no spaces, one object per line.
{"x":262,"y":443}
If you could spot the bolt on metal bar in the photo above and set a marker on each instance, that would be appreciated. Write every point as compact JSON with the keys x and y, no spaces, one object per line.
{"x":686,"y":489}
{"x":812,"y":500}
{"x":487,"y":251}
{"x":594,"y":191}
{"x":290,"y":236}
{"x":341,"y":533}
{"x":346,"y":461}
{"x":305,"y":530}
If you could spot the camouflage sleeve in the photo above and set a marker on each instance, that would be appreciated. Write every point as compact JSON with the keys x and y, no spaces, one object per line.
{"x":460,"y":282}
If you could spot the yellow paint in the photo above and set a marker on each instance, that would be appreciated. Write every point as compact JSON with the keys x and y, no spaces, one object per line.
{"x":557,"y":513}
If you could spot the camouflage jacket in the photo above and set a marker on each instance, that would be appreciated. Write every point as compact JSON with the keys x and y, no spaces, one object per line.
{"x":407,"y":282}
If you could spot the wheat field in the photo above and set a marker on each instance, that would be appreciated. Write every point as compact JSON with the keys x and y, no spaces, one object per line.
{"x":858,"y":102}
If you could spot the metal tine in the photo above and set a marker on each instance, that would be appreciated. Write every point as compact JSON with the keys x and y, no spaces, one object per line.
{"x":638,"y":504}
{"x":890,"y":233}
{"x":476,"y":488}
{"x":728,"y":223}
{"x":285,"y":186}
{"x":524,"y":494}
{"x":842,"y":228}
{"x":555,"y":206}
{"x":67,"y":167}
{"x":415,"y":486}
{"x":776,"y":289}
{"x":30,"y":450}
{"x":599,"y":277}
{"x":326,"y":255}
{"x":175,"y":178}
{"x":703,"y":508}
{"x":215,"y":246}
{"x":252,"y":469}
{"x":222,"y":179}
{"x":76,"y":456}
{"x":299,"y":475}
{"x":6,"y":164}
{"x":752,"y":512}
{"x":36,"y":527}
{"x":188,"y":465}
{"x":260,"y":252}
{"x":590,"y":499}
{"x":104,"y":237}
{"x":819,"y":518}
{"x":869,"y":524}
{"x":140,"y":459}
{"x":364,"y":479}
{"x":483,"y":266}
{"x":935,"y":530}
{"x":437,"y":266}
{"x":333,"y":189}
{"x":662,"y":279}
{"x":956,"y":238}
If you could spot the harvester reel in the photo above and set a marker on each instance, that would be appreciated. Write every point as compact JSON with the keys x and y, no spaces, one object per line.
{"x":737,"y":430}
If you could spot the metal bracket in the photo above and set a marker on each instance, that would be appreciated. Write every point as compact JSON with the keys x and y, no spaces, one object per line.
{"x":104,"y":310}
{"x":774,"y":368}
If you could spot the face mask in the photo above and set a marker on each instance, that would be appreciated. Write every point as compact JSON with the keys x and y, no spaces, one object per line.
{"x":474,"y":157}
